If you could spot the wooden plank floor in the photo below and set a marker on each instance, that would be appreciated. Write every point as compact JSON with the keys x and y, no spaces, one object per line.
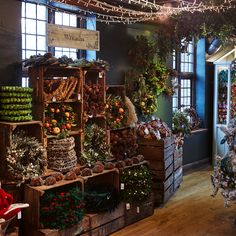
{"x":191,"y":212}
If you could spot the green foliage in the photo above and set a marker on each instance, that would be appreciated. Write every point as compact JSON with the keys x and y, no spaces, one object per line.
{"x":181,"y":124}
{"x":61,"y":209}
{"x":95,"y":145}
{"x":137,"y":184}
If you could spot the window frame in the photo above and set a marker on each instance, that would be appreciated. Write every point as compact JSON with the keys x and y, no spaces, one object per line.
{"x":183,"y":76}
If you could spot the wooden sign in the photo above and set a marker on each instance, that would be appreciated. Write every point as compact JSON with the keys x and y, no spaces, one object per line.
{"x":71,"y":37}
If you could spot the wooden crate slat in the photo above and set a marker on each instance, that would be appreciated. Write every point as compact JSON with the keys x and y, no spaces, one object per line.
{"x":157,"y":143}
{"x":178,"y":162}
{"x":163,"y":185}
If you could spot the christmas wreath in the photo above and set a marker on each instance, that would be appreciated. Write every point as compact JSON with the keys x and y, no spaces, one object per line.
{"x":61,"y":209}
{"x":181,"y":124}
{"x":59,"y":118}
{"x":26,"y":157}
{"x":137,"y":184}
{"x":101,"y":198}
{"x":95,"y":145}
{"x":116,"y":112}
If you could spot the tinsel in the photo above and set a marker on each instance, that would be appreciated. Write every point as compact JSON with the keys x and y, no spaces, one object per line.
{"x":224,"y":176}
{"x":101,"y":198}
{"x":137,"y":184}
{"x":26,"y":157}
{"x":61,"y":209}
{"x":95,"y":145}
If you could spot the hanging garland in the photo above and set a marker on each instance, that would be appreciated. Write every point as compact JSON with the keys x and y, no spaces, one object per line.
{"x":116,"y":112}
{"x":148,"y":78}
{"x":137,"y":184}
{"x":26,"y":157}
{"x":101,"y":198}
{"x":59,"y":117}
{"x":95,"y":145}
{"x":61,"y":210}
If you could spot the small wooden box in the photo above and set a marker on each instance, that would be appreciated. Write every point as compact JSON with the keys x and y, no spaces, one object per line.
{"x":33,"y":196}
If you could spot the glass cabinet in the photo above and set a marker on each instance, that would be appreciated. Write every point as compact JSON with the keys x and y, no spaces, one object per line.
{"x":224,"y":103}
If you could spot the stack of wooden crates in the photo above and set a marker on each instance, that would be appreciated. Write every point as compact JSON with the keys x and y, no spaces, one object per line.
{"x":166,"y":167}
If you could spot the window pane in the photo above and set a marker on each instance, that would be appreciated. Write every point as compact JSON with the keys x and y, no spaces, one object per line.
{"x":30,"y":26}
{"x":41,"y":27}
{"x":73,"y":20}
{"x":66,"y":19}
{"x":31,"y":42}
{"x":23,"y":41}
{"x":30,"y":10}
{"x":23,"y":25}
{"x":30,"y":53}
{"x":23,"y":9}
{"x":41,"y":43}
{"x":58,"y":18}
{"x":41,"y":12}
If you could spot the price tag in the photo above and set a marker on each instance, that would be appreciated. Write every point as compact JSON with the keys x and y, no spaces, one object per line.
{"x":54,"y":99}
{"x":19,"y":215}
{"x":127,"y":206}
{"x":122,"y":186}
{"x":138,"y":210}
{"x":100,"y":75}
{"x":79,"y":96}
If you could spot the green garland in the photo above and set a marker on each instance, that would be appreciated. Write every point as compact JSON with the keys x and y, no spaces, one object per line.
{"x":61,"y":209}
{"x":116,"y":112}
{"x":95,"y":145}
{"x":101,"y":198}
{"x":137,"y":184}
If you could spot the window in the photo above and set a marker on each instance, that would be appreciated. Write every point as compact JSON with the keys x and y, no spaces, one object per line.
{"x":33,"y":27}
{"x":184,"y":64}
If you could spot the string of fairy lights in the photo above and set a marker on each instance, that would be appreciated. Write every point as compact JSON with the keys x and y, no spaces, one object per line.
{"x":125,"y":11}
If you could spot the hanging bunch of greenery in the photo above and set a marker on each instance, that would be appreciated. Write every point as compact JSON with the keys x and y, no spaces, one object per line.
{"x":137,"y":184}
{"x":95,"y":145}
{"x":148,"y":77}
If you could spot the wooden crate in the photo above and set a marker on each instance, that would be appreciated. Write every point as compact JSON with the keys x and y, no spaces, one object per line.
{"x":33,"y":196}
{"x":138,"y":211}
{"x":7,"y":129}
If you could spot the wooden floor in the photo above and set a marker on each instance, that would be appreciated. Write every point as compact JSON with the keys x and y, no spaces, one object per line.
{"x":191,"y":212}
